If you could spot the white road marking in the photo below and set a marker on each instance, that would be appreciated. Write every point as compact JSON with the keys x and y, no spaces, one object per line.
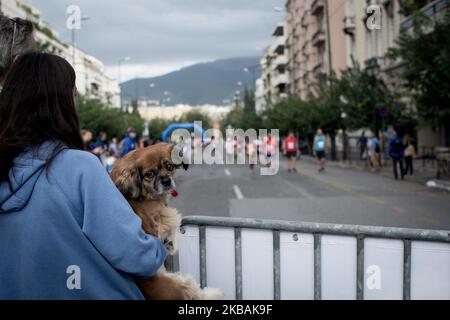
{"x":227,"y":172}
{"x":303,"y":192}
{"x":238,"y":192}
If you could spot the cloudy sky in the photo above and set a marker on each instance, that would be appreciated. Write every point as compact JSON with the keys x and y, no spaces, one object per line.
{"x":165,"y":35}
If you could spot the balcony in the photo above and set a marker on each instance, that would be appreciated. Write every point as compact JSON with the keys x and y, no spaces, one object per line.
{"x":317,"y":7}
{"x":319,"y":69}
{"x":279,"y":31}
{"x":278,"y":45}
{"x":318,"y":38}
{"x":429,"y":11}
{"x":280,"y":80}
{"x":350,"y":25}
{"x":280,"y":62}
{"x":305,"y":44}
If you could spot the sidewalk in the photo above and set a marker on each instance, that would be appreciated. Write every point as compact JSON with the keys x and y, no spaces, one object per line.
{"x":423,"y":176}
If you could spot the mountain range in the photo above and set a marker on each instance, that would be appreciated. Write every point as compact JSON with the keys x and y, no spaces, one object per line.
{"x":213,"y":83}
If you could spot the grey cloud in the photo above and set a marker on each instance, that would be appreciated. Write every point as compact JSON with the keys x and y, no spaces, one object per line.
{"x":163,"y":31}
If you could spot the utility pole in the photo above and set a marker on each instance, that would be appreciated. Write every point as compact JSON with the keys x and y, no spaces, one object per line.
{"x":330,"y":56}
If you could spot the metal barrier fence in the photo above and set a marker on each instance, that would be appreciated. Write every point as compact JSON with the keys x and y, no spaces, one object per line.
{"x":318,"y":230}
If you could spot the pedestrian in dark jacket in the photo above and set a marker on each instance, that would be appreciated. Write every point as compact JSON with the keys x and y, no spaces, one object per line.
{"x":397,"y":153}
{"x":129,"y":143}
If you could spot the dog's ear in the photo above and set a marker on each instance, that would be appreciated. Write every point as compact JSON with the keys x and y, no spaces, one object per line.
{"x":127,"y":176}
{"x":185,"y":166}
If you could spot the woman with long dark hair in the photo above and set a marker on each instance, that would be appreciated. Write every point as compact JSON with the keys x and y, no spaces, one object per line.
{"x":66,"y":232}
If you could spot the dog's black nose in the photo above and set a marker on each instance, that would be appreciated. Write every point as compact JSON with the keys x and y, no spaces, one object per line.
{"x":166,"y":182}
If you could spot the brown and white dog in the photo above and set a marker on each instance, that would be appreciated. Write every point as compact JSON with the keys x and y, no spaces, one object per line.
{"x":145,"y":178}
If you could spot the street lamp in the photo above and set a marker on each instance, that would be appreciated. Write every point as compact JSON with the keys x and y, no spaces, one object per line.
{"x":372,"y":68}
{"x":253,"y":70}
{"x":126,"y":59}
{"x":83,"y":18}
{"x":344,"y":115}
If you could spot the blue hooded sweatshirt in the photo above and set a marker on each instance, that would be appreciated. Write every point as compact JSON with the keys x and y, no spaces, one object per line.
{"x":68,"y":233}
{"x":129,"y":144}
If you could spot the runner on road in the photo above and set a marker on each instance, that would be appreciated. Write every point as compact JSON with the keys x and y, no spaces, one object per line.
{"x":290,"y":148}
{"x":320,"y":149}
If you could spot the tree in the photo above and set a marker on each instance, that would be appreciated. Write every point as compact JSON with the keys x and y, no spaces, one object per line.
{"x":368,"y":97}
{"x":196,"y":115}
{"x":157,"y":126}
{"x":97,"y":117}
{"x":426,"y":50}
{"x":244,"y":117}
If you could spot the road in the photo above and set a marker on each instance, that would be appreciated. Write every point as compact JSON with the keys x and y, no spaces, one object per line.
{"x":340,"y":195}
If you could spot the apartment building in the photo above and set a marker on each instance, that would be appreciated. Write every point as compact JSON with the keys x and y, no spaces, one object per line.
{"x":314,"y":46}
{"x":274,"y":81}
{"x":369,"y":48}
{"x":92,"y":80}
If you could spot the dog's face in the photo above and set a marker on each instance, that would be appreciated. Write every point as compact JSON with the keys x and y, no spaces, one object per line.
{"x":148,"y":173}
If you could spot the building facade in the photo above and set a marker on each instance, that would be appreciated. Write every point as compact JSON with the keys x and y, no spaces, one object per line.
{"x":314,"y":45}
{"x":274,"y":82}
{"x":350,"y":38}
{"x":92,"y":80}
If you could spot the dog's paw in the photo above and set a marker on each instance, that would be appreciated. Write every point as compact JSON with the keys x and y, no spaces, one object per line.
{"x":211,"y":294}
{"x":170,"y":246}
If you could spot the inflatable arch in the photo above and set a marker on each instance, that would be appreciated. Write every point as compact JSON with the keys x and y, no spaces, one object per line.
{"x":188,"y":126}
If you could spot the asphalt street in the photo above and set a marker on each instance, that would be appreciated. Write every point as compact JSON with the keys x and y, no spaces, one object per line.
{"x":339,"y":195}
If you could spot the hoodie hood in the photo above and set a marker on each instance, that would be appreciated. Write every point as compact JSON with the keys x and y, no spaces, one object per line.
{"x":26,"y":171}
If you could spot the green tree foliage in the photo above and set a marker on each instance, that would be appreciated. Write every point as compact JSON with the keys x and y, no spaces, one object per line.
{"x":244,"y":116}
{"x":367,"y":96}
{"x":196,"y":115}
{"x":97,"y":117}
{"x":426,"y":50}
{"x":357,"y":94}
{"x":157,"y":127}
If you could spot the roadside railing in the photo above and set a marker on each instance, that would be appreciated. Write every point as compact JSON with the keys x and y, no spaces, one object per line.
{"x":265,"y":259}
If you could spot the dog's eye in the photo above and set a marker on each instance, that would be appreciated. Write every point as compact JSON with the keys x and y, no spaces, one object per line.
{"x":170,"y":167}
{"x":149,"y":175}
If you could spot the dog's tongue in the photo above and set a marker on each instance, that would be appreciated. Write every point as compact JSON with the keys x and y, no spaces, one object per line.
{"x":174,"y":193}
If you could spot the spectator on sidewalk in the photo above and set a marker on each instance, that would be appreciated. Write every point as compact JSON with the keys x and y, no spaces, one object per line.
{"x":397,"y":153}
{"x":129,"y":143}
{"x":375,"y":153}
{"x":320,"y":149}
{"x":100,"y":147}
{"x":101,"y":142}
{"x":290,"y":149}
{"x":113,"y":147}
{"x":362,"y":142}
{"x":86,"y":135}
{"x":110,"y":161}
{"x":410,"y":152}
{"x":16,"y":39}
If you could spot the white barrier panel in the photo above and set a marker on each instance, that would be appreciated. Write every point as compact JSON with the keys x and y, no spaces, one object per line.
{"x":430,"y":271}
{"x":189,"y":252}
{"x":257,"y":264}
{"x":220,"y":260}
{"x":297,"y":266}
{"x":383,"y":265}
{"x":383,"y":269}
{"x":338,"y":268}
